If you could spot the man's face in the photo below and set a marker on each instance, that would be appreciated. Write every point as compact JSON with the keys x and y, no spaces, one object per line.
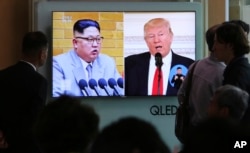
{"x":158,"y":39}
{"x":179,"y":71}
{"x":43,"y":56}
{"x":88,"y":44}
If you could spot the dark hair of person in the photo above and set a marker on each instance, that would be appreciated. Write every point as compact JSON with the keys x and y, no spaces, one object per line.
{"x":234,"y":98}
{"x":233,"y":34}
{"x":80,"y":25}
{"x":214,"y":135}
{"x":241,"y":23}
{"x":34,"y":42}
{"x":66,"y":125}
{"x":210,"y":33}
{"x":179,"y":68}
{"x":127,"y":135}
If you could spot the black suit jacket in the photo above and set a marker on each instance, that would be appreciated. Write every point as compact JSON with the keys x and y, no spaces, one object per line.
{"x":23,"y":94}
{"x":237,"y":73}
{"x":136,"y":73}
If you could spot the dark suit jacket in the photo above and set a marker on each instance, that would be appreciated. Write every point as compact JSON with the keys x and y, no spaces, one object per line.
{"x":136,"y":73}
{"x":178,"y":81}
{"x":23,"y":94}
{"x":237,"y":73}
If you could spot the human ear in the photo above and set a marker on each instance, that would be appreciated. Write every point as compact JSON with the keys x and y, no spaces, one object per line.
{"x":74,"y":41}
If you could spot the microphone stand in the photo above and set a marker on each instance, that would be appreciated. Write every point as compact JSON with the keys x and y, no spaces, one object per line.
{"x":159,"y":80}
{"x":158,"y":63}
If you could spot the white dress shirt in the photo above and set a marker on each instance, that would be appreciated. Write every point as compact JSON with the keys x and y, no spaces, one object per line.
{"x":165,"y":69}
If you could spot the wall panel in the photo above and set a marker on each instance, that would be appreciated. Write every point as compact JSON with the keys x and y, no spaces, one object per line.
{"x":14,"y":17}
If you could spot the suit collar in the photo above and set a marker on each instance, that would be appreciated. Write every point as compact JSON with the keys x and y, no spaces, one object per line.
{"x":28,"y":63}
{"x":97,"y":68}
{"x":78,"y":71}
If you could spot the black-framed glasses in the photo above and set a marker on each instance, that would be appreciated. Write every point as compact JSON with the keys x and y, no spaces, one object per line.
{"x":91,"y":40}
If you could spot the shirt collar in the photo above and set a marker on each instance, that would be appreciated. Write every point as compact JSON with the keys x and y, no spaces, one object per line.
{"x":167,"y":59}
{"x":84,"y":63}
{"x":30,"y":64}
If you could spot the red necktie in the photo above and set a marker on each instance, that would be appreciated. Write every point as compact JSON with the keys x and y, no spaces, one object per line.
{"x":158,"y":83}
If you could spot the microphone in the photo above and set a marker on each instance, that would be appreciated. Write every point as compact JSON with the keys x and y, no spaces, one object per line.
{"x":120,"y":82}
{"x":83,"y":86}
{"x":93,"y":85}
{"x":158,"y":63}
{"x":158,"y":60}
{"x":112,"y":83}
{"x":103,"y":84}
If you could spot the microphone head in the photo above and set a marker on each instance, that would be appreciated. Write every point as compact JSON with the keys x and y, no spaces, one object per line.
{"x":82,"y":84}
{"x":112,"y":83}
{"x":92,"y":83}
{"x":102,"y":83}
{"x":158,"y":59}
{"x":120,"y":82}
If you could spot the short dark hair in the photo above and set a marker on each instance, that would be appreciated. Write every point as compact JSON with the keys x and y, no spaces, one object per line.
{"x":34,"y":42}
{"x":234,"y":98}
{"x":129,"y":134}
{"x":244,"y":25}
{"x":66,"y":125}
{"x":233,"y":34}
{"x":210,"y":33}
{"x":213,"y":135}
{"x":82,"y":24}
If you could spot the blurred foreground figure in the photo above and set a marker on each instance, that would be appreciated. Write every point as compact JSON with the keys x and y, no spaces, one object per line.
{"x":23,"y":94}
{"x":66,"y":125}
{"x":129,"y":135}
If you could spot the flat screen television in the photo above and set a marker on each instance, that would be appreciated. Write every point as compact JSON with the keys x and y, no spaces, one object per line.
{"x":122,"y":26}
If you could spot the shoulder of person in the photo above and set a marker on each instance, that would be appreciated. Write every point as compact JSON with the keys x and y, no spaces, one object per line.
{"x":181,"y":59}
{"x":138,"y":56}
{"x":104,"y":56}
{"x":65,"y":55}
{"x":105,"y":59}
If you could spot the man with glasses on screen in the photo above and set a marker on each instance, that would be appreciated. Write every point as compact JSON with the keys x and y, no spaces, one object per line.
{"x":148,"y":73}
{"x":84,"y":71}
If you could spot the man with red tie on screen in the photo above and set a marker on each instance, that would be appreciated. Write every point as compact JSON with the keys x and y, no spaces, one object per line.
{"x":148,"y":73}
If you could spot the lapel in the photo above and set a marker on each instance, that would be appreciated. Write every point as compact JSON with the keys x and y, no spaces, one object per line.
{"x":77,"y":67}
{"x":173,"y":62}
{"x":142,"y":74}
{"x":26,"y":65}
{"x":98,"y":68}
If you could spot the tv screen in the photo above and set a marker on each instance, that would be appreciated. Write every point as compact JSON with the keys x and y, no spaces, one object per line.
{"x":123,"y":36}
{"x":127,"y":63}
{"x":144,"y":43}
